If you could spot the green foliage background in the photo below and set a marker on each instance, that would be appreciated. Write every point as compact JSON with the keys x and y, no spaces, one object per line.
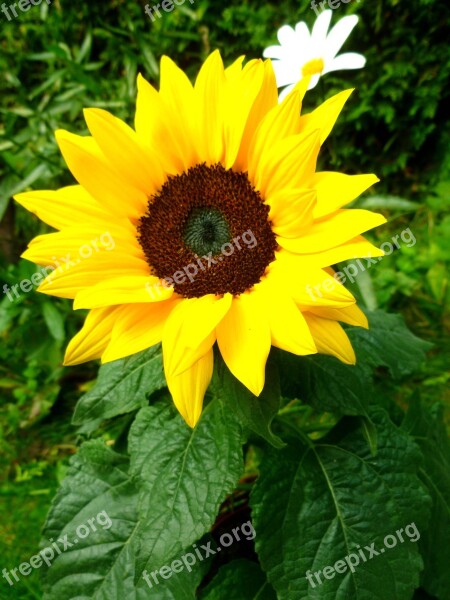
{"x":55,"y":60}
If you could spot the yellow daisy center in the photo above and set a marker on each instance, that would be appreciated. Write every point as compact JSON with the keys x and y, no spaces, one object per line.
{"x":313,"y":67}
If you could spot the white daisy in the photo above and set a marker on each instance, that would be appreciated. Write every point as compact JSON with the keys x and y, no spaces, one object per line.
{"x":301,"y":53}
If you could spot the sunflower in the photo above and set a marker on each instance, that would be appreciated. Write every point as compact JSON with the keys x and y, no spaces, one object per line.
{"x":221,"y":226}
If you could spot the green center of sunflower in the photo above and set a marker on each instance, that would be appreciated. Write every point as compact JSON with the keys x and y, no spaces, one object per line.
{"x":207,"y":231}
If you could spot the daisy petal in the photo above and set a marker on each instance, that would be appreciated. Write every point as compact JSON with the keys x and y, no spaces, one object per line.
{"x":338,"y":35}
{"x":286,"y":35}
{"x":277,"y":52}
{"x":319,"y":32}
{"x":349,"y":60}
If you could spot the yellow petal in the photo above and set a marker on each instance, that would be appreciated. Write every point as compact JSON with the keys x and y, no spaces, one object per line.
{"x":330,"y":338}
{"x":137,"y":327}
{"x":281,"y":122}
{"x":335,"y":190}
{"x":358,"y":247}
{"x":308,"y":285}
{"x":266,"y":100}
{"x":77,"y":244}
{"x":68,"y":281}
{"x":188,"y":389}
{"x":190,"y":330}
{"x":64,"y":207}
{"x":243,"y":337}
{"x":156,"y":127}
{"x":325,"y":116}
{"x":91,"y":341}
{"x":90,"y":168}
{"x":235,"y":69}
{"x":337,"y":229}
{"x":290,"y":163}
{"x":288,"y":327}
{"x":291,"y":211}
{"x":208,"y":90}
{"x":352,"y":315}
{"x":179,"y":97}
{"x":241,"y":91}
{"x":126,"y":289}
{"x":136,"y":164}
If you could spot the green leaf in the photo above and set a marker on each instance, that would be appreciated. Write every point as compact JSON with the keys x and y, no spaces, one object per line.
{"x":122,"y":386}
{"x":54,"y":321}
{"x":254,"y":412}
{"x":388,"y":343}
{"x":239,"y":580}
{"x":317,"y":503}
{"x":326,"y":383}
{"x":388,"y":202}
{"x":184,"y":475}
{"x":97,"y":483}
{"x":102,"y":566}
{"x":428,"y":428}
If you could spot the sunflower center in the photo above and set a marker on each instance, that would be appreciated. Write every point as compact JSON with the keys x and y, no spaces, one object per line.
{"x":313,"y":67}
{"x":207,"y":231}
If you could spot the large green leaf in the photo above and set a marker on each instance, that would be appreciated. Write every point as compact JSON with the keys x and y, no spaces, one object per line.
{"x":239,"y":580}
{"x":103,"y":565}
{"x":326,"y":383}
{"x":430,"y":433}
{"x":122,"y":386}
{"x":317,"y":503}
{"x":254,"y":412}
{"x":388,"y":343}
{"x":97,"y":483}
{"x":184,"y":475}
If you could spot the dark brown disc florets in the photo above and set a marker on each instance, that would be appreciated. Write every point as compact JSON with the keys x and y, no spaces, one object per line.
{"x":207,"y":232}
